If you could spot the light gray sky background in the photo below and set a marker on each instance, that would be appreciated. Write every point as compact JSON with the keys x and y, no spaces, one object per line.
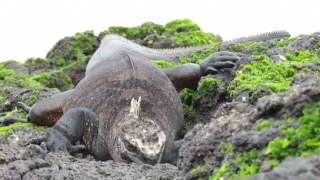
{"x":29,"y":28}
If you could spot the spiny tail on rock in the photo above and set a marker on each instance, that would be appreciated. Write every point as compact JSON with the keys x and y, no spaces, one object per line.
{"x":175,"y":53}
{"x":259,"y":37}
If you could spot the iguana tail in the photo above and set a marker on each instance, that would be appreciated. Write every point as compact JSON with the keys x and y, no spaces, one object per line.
{"x":175,"y":53}
{"x":259,"y":37}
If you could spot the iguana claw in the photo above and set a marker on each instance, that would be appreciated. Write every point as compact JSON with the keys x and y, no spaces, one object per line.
{"x":219,"y":61}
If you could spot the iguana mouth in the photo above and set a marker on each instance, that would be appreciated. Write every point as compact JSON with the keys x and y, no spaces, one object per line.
{"x":143,"y":141}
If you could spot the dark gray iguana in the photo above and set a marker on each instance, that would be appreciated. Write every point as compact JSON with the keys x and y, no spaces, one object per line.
{"x":124,"y":108}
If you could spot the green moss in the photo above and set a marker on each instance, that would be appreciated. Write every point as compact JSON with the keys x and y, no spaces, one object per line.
{"x":224,"y":171}
{"x":35,"y":62}
{"x":263,"y":74}
{"x":194,"y":38}
{"x":226,"y":148}
{"x":272,"y":163}
{"x":199,"y":56}
{"x":3,"y":96}
{"x":301,"y":57}
{"x":189,"y":116}
{"x":181,"y":25}
{"x":55,"y":79}
{"x":10,"y":77}
{"x":301,"y":141}
{"x":84,"y":44}
{"x":263,"y":124}
{"x":285,"y":42}
{"x":33,"y":98}
{"x":207,"y":86}
{"x":14,"y":113}
{"x":73,"y":49}
{"x":163,"y":64}
{"x":318,"y":46}
{"x":248,"y":163}
{"x":268,"y":76}
{"x":18,"y":114}
{"x":7,"y":129}
{"x":134,"y":33}
{"x":186,"y":96}
{"x":254,"y":48}
{"x":61,"y":61}
{"x":5,"y":73}
{"x":181,"y":32}
{"x":199,"y":169}
{"x":186,"y":33}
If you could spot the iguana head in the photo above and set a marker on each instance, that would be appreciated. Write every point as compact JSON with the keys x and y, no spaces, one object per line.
{"x":141,"y":139}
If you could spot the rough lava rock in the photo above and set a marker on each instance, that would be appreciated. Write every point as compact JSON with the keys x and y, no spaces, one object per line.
{"x":33,"y":162}
{"x":304,"y":42}
{"x":305,"y":89}
{"x":201,"y":144}
{"x":293,"y":169}
{"x":237,"y":126}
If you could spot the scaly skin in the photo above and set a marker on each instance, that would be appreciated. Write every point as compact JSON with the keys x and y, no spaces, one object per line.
{"x":172,"y":54}
{"x":97,"y":111}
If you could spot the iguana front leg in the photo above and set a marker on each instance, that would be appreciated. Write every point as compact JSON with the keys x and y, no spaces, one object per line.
{"x":48,"y":111}
{"x":188,"y":75}
{"x":77,"y":124}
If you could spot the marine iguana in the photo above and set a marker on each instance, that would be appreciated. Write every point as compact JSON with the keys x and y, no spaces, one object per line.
{"x":102,"y":111}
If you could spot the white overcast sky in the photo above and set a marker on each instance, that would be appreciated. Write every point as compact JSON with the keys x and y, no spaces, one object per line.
{"x":29,"y":28}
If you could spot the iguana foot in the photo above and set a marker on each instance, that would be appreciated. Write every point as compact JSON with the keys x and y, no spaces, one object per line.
{"x":219,"y":61}
{"x":52,"y":140}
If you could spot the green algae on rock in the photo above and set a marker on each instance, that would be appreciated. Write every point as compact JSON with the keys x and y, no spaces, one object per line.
{"x":207,"y":86}
{"x":8,"y":76}
{"x":303,"y":140}
{"x":163,"y":64}
{"x":283,"y":43}
{"x":4,"y":130}
{"x":254,"y":48}
{"x":263,"y":77}
{"x":73,"y":49}
{"x":263,"y":124}
{"x":177,"y":33}
{"x":135,"y":33}
{"x":199,"y":56}
{"x":54,"y":79}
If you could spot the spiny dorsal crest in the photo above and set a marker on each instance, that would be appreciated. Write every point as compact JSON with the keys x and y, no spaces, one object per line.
{"x":260,"y":37}
{"x":135,"y":107}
